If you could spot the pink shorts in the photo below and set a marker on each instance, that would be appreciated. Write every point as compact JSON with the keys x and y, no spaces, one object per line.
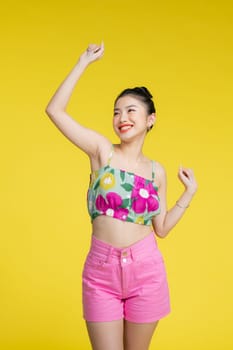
{"x":127,"y":283}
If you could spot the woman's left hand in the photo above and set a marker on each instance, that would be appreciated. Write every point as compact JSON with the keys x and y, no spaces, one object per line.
{"x":186,"y":176}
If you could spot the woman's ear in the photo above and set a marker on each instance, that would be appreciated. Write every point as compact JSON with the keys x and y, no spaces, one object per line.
{"x":151,"y":121}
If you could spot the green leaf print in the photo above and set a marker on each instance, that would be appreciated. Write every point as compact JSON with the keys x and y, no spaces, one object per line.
{"x":129,"y":219}
{"x":96,"y":185}
{"x":122,"y":173}
{"x":127,"y":187}
{"x":94,"y":215}
{"x":125,"y":202}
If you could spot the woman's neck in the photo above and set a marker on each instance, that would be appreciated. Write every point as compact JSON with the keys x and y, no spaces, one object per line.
{"x":132,"y":152}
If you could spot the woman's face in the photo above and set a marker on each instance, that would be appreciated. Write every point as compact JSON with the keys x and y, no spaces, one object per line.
{"x":131,"y":117}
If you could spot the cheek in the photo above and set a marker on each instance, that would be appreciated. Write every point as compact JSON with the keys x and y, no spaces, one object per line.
{"x":114,"y":123}
{"x":115,"y":127}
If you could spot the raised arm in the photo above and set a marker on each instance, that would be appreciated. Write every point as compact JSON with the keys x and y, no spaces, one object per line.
{"x":167,"y":219}
{"x":86,"y":139}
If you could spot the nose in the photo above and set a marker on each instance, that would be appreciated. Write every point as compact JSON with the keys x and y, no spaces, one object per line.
{"x":123,"y":117}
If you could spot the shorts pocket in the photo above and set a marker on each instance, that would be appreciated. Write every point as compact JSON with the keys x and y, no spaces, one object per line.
{"x":157,"y":257}
{"x":94,"y":260}
{"x":153,"y":258}
{"x":96,"y":267}
{"x":150,"y":269}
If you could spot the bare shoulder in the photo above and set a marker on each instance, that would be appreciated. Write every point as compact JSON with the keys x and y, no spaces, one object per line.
{"x":160,"y":173}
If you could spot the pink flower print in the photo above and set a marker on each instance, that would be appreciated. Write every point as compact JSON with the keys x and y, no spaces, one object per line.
{"x":144,"y":196}
{"x":111,"y":206}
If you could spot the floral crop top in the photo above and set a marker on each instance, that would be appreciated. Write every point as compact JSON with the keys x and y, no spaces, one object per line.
{"x":122,"y":195}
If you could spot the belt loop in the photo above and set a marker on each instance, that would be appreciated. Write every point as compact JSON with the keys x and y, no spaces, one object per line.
{"x":133,"y":254}
{"x":109,"y":255}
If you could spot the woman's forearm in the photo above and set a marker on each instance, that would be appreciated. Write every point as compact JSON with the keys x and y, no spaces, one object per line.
{"x":176,"y":212}
{"x":61,"y":97}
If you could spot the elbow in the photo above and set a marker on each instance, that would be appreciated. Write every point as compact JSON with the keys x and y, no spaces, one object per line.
{"x":161,"y":227}
{"x":49,"y":111}
{"x":161,"y":234}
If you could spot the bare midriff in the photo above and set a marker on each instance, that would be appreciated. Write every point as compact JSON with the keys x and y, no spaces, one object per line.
{"x":119,"y":233}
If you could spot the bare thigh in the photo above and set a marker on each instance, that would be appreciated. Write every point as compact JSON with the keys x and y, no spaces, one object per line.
{"x":106,"y":335}
{"x":137,"y":336}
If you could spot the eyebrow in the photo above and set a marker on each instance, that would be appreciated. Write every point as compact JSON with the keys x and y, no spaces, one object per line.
{"x":117,"y":109}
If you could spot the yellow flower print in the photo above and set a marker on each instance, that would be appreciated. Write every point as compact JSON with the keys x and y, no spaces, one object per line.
{"x":107,"y":181}
{"x":139,"y":220}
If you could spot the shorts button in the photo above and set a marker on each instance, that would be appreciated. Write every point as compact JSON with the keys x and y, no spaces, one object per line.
{"x":124,"y":260}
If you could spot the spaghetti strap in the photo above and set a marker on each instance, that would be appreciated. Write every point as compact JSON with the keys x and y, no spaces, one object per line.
{"x":110,"y":155}
{"x":153,"y":169}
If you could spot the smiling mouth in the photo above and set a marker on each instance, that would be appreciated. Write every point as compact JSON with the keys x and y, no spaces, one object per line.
{"x":125,"y":127}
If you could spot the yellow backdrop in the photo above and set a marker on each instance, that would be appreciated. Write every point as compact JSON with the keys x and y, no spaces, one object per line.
{"x":182,"y":51}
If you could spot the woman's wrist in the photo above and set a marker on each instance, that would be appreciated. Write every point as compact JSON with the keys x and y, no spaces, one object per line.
{"x":182,"y":206}
{"x":190,"y":192}
{"x":82,"y":63}
{"x":185,"y":200}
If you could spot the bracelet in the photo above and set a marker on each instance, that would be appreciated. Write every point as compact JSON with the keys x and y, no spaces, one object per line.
{"x":180,"y":206}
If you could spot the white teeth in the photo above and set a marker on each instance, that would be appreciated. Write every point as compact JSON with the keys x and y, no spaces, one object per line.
{"x":126,"y":127}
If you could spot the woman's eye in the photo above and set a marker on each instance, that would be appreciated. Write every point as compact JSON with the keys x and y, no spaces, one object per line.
{"x":131,"y":110}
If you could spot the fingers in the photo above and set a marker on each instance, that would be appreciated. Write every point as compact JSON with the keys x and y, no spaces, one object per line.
{"x":187,"y":177}
{"x":94,"y":52}
{"x":187,"y":172}
{"x":94,"y":48}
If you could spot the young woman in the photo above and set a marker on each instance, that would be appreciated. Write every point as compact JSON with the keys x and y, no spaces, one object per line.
{"x":125,"y":290}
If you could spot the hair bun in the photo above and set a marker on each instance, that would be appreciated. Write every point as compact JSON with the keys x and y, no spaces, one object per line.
{"x":146,"y":92}
{"x":141,"y":93}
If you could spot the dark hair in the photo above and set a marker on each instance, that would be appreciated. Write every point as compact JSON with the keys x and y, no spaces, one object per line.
{"x":143,"y":94}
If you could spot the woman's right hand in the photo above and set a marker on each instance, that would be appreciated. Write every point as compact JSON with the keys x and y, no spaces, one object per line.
{"x":92,"y":53}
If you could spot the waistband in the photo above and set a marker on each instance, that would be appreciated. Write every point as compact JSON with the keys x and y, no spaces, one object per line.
{"x":137,"y":250}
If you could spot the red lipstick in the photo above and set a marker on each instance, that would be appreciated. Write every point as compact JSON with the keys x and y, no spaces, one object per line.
{"x":125,"y":127}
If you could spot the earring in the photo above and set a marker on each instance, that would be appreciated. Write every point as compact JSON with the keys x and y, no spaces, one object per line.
{"x":150,"y":127}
